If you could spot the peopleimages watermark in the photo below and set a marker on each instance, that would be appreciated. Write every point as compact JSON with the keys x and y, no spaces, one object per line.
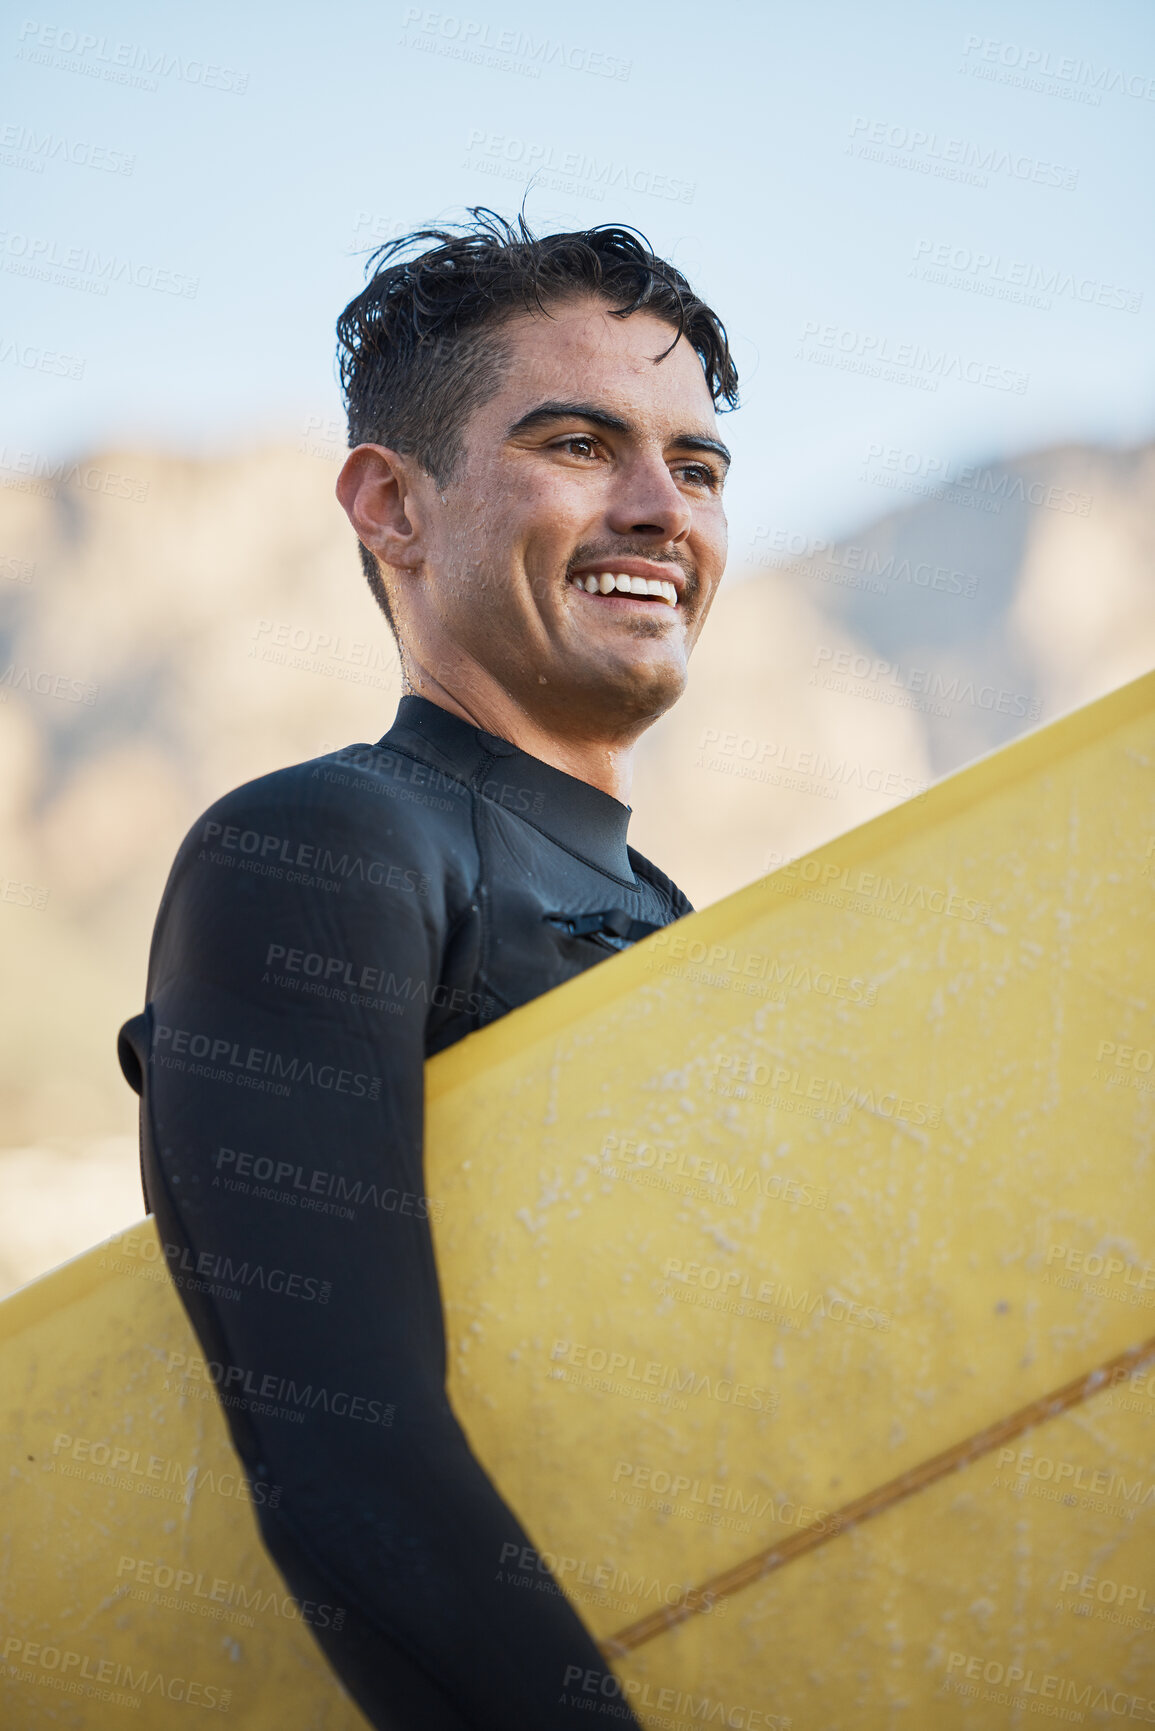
{"x":877,"y":356}
{"x":930,"y":153}
{"x":711,"y":1502}
{"x":41,"y":682}
{"x":214,"y":1595}
{"x":364,"y":985}
{"x":584,"y":1687}
{"x":945,"y":265}
{"x":270,"y":1393}
{"x":652,"y":1380}
{"x":83,"y":268}
{"x":869,"y":892}
{"x":573,"y":171}
{"x":24,"y":147}
{"x":310,"y":864}
{"x":127,"y":63}
{"x":1033,"y":68}
{"x":14,"y":892}
{"x":745,"y":1295}
{"x":1131,"y":1391}
{"x":1072,"y":1484}
{"x":35,"y":359}
{"x":359,"y":661}
{"x":396,"y":775}
{"x":973,"y":485}
{"x":919,"y":688}
{"x":1026,"y":1688}
{"x":848,"y":566}
{"x":607,"y":1584}
{"x":481,"y":44}
{"x":801,"y":769}
{"x":1119,"y":1065}
{"x":119,"y":1684}
{"x":219,"y":1058}
{"x":1095,"y":1272}
{"x":319,"y":1191}
{"x":752,"y":971}
{"x":221,"y":1273}
{"x":1092,"y":1589}
{"x":323,"y":436}
{"x":119,"y":1466}
{"x":662,"y":1166}
{"x":410,"y":781}
{"x":33,"y":472}
{"x":370,"y":229}
{"x":740,"y":1076}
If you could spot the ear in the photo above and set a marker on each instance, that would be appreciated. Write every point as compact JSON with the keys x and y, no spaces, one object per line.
{"x":376,"y":488}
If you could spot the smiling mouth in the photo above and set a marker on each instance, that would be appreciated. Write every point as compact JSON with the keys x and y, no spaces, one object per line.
{"x":636,"y":588}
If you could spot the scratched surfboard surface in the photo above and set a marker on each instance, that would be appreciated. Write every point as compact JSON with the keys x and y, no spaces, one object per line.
{"x":805,"y":1191}
{"x":734,"y":1232}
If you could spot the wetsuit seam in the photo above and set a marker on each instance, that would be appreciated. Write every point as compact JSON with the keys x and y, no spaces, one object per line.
{"x":342,"y":1588}
{"x":473,"y":900}
{"x":488,"y":760}
{"x":603,"y":871}
{"x":483,"y":955}
{"x":197,"y":1311}
{"x":664,"y":887}
{"x":414,"y":757}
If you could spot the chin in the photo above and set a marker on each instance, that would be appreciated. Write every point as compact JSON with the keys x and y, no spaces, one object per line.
{"x":644,"y":689}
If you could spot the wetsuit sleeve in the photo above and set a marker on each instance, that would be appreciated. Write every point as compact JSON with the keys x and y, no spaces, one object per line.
{"x":281,"y":1062}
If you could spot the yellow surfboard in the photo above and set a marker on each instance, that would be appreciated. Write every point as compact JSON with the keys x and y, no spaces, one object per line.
{"x":799,"y":1270}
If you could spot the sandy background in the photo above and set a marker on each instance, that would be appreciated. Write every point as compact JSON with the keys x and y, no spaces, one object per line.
{"x":178,"y":626}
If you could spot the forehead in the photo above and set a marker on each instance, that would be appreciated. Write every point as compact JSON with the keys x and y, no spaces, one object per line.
{"x":579,"y":348}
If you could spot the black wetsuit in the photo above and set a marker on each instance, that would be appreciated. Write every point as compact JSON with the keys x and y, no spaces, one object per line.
{"x":326,"y":929}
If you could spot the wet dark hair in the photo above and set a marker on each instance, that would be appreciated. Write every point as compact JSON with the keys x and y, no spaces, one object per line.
{"x":420,"y":348}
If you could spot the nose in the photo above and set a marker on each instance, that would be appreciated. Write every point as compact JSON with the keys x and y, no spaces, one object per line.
{"x":647,"y":501}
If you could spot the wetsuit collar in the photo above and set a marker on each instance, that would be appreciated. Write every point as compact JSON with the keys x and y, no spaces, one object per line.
{"x":583,"y":819}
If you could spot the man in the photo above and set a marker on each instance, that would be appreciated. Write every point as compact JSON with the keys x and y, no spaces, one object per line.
{"x":536,"y":483}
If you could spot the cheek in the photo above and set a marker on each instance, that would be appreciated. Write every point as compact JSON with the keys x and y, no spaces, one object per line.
{"x":544,"y":495}
{"x":501,"y":523}
{"x":546,"y":528}
{"x":555,"y":508}
{"x":712,"y":531}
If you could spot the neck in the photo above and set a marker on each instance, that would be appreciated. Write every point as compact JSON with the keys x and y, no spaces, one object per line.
{"x":605,"y":763}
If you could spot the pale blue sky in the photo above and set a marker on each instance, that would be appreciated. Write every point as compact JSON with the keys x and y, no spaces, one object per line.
{"x":358,"y":119}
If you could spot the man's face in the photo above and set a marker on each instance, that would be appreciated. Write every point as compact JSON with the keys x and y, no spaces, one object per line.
{"x":591,"y":461}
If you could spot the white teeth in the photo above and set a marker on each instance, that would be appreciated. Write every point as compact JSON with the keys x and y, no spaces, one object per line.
{"x":609,"y":584}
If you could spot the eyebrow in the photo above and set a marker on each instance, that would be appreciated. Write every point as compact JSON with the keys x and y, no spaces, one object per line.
{"x":611,"y":424}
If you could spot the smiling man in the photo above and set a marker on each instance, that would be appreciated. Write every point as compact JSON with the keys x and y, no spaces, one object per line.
{"x":536,"y":483}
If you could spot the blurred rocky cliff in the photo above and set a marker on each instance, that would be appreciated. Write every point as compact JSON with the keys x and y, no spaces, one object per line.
{"x":172,"y":627}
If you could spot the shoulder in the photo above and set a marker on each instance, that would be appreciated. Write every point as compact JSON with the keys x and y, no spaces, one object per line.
{"x":365,"y":818}
{"x":349,"y":847}
{"x":679,"y":903}
{"x":372,"y":794}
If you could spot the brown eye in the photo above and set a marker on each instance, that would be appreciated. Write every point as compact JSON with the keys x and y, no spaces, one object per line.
{"x":698,"y":474}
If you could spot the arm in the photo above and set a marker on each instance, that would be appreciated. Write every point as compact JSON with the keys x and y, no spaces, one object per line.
{"x":282,"y":1057}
